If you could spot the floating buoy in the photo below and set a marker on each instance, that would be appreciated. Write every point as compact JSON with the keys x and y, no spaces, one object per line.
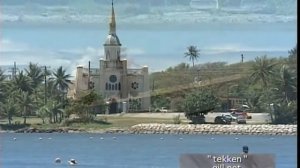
{"x":101,"y":138}
{"x":72,"y":162}
{"x":91,"y":137}
{"x":181,"y":138}
{"x":14,"y":139}
{"x":161,"y":138}
{"x":212,"y":138}
{"x":236,"y":138}
{"x":40,"y":138}
{"x":49,"y":138}
{"x":57,"y":160}
{"x":114,"y":138}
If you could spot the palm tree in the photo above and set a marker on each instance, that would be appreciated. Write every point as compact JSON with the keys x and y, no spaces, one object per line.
{"x":36,"y":74}
{"x":52,"y":109}
{"x":25,"y":102}
{"x":292,"y":59}
{"x":2,"y":84}
{"x":61,"y":84}
{"x":9,"y":108}
{"x":262,"y":70}
{"x":286,"y":84}
{"x":61,"y":80}
{"x":193,"y":53}
{"x":44,"y":112}
{"x":22,"y":82}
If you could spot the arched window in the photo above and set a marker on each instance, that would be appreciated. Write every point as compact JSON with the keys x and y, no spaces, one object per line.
{"x":109,"y":86}
{"x":106,"y":86}
{"x":112,"y":87}
{"x":119,"y":86}
{"x":116,"y":86}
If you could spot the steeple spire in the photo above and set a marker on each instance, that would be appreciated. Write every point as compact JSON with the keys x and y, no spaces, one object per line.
{"x":112,"y":23}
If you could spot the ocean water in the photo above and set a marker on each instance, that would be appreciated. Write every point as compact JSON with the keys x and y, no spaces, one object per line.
{"x":133,"y":151}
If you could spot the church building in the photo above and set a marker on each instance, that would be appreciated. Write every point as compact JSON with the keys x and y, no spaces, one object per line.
{"x":123,"y":89}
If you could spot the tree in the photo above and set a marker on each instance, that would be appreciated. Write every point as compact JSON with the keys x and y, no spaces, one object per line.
{"x":286,"y":84}
{"x":292,"y":59}
{"x":78,"y":108}
{"x":192,"y":53}
{"x":54,"y":108}
{"x":198,"y":104}
{"x":35,"y":74}
{"x":25,"y":102}
{"x":2,"y":86}
{"x":262,"y":70}
{"x":61,"y":80}
{"x":22,"y":82}
{"x":9,"y":108}
{"x":61,"y":83}
{"x":157,"y":102}
{"x":43,"y":112}
{"x":253,"y":99}
{"x":92,"y":100}
{"x":285,"y":113}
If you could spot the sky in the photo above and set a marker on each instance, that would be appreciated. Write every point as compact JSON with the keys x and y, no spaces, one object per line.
{"x":157,"y":45}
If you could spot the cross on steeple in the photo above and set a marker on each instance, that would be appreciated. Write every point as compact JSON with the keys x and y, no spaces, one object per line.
{"x":112,"y":24}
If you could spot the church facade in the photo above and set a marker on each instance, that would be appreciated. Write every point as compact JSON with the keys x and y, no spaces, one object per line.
{"x":122,"y":88}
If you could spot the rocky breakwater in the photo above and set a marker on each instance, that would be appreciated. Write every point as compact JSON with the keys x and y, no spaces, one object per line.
{"x":214,"y":129}
{"x":56,"y":130}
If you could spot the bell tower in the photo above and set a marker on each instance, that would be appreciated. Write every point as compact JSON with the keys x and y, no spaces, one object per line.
{"x":113,"y":69}
{"x":112,"y":45}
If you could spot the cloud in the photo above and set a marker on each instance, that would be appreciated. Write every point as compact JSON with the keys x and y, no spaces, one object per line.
{"x":22,"y":54}
{"x":227,"y":48}
{"x":6,"y":45}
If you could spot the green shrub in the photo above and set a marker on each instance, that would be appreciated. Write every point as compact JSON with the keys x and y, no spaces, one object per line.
{"x":176,"y":119}
{"x":198,"y":104}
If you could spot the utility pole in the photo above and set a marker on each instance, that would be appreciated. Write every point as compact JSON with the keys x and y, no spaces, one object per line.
{"x":45,"y":83}
{"x":89,"y":76}
{"x":45,"y":89}
{"x":14,"y":70}
{"x":242,"y":58}
{"x":227,"y":103}
{"x":153,"y":85}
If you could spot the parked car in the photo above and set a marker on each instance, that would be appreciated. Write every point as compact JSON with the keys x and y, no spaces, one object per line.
{"x":230,"y":117}
{"x":222,"y":120}
{"x":241,"y":119}
{"x":163,"y":110}
{"x":242,"y":111}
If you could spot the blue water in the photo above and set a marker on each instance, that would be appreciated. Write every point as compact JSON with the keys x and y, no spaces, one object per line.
{"x":133,"y":151}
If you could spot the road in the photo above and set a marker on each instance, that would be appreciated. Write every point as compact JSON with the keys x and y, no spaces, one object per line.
{"x":257,"y":118}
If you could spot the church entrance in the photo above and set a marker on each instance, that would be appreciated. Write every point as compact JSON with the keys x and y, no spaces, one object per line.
{"x":113,"y":107}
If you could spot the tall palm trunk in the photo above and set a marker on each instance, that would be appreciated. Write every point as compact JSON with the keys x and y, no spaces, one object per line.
{"x":9,"y":120}
{"x":24,"y":115}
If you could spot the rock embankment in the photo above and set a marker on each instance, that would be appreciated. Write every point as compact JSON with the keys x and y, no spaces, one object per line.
{"x":56,"y":130}
{"x":214,"y":129}
{"x":181,"y":129}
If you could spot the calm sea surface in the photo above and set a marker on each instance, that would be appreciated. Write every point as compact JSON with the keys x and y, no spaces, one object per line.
{"x":133,"y":151}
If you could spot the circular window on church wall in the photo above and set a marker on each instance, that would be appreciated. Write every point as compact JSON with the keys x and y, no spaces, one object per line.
{"x":113,"y":78}
{"x":134,"y":85}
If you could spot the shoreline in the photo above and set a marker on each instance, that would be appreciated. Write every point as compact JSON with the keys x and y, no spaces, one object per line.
{"x":188,"y":129}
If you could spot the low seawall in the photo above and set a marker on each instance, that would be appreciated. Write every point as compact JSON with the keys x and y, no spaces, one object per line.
{"x":214,"y":129}
{"x":181,"y":129}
